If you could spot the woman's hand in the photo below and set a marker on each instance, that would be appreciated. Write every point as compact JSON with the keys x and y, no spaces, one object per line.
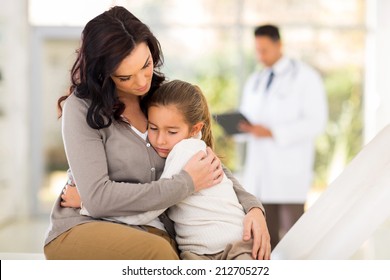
{"x":70,"y":197}
{"x":255,"y":227}
{"x":205,"y":170}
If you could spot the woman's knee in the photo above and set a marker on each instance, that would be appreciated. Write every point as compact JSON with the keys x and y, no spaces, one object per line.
{"x":109,"y":241}
{"x":159,"y":249}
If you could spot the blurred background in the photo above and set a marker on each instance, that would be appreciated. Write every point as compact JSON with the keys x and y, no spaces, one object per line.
{"x":209,"y":43}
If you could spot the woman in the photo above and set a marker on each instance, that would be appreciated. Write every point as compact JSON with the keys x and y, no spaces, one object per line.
{"x":113,"y":164}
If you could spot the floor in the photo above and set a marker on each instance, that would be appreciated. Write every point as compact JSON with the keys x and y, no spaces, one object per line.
{"x":24,"y":236}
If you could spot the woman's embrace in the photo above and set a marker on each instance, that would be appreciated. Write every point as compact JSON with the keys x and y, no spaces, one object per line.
{"x":114,"y":166}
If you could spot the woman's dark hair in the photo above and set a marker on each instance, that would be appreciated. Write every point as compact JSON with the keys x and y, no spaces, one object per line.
{"x":106,"y":41}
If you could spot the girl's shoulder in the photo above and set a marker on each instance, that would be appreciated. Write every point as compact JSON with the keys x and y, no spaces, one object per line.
{"x":191,"y":144}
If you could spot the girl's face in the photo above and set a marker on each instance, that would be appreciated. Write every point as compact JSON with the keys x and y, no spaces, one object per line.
{"x":134,"y":74}
{"x":166,"y":128}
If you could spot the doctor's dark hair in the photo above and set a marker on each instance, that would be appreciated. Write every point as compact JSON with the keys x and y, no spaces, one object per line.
{"x":268,"y":30}
{"x":106,"y":40}
{"x":189,"y":100}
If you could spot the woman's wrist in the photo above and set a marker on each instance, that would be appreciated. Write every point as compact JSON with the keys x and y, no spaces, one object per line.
{"x":255,"y":209}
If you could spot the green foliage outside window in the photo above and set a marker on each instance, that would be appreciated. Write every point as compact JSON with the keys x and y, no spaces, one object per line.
{"x":343,"y":137}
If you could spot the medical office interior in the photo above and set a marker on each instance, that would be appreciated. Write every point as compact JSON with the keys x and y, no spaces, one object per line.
{"x":209,"y":43}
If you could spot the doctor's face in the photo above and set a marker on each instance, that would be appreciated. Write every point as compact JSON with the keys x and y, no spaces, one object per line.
{"x":267,"y":51}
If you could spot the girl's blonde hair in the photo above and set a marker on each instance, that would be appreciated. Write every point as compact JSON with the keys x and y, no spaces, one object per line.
{"x":189,"y":100}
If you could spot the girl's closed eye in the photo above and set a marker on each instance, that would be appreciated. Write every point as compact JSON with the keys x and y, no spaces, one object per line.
{"x":152,"y":127}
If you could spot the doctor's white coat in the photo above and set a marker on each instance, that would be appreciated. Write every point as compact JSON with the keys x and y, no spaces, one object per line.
{"x":280,"y":169}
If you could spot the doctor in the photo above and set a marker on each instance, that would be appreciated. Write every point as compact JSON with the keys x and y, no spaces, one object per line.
{"x":287,"y":108}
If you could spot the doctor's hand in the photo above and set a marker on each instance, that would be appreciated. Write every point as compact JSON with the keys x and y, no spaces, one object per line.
{"x":255,"y":227}
{"x":256,"y":130}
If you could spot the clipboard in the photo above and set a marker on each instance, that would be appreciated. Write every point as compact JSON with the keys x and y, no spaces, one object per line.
{"x":229,"y":121}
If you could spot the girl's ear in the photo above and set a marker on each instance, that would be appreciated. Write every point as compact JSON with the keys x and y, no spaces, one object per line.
{"x":196,"y":128}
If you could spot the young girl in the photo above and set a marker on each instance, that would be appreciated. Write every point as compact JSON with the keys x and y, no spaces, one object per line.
{"x":208,"y":224}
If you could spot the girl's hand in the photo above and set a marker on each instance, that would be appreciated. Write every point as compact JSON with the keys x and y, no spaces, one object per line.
{"x":205,"y":170}
{"x":70,"y":197}
{"x":255,"y":227}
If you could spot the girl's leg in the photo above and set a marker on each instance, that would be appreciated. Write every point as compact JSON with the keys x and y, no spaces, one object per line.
{"x":240,"y":250}
{"x":187,"y":255}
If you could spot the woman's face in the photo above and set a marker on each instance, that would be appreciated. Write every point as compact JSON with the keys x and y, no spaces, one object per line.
{"x":134,"y":74}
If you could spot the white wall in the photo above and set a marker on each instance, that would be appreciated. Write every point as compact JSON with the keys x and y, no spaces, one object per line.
{"x":377,"y":84}
{"x":14,"y":101}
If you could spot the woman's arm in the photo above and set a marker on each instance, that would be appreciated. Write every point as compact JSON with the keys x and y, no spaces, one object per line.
{"x":87,"y":151}
{"x":246,"y":199}
{"x":175,"y":162}
{"x":255,"y":225}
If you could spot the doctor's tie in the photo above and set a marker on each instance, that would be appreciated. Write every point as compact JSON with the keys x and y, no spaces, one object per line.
{"x":270,"y":78}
